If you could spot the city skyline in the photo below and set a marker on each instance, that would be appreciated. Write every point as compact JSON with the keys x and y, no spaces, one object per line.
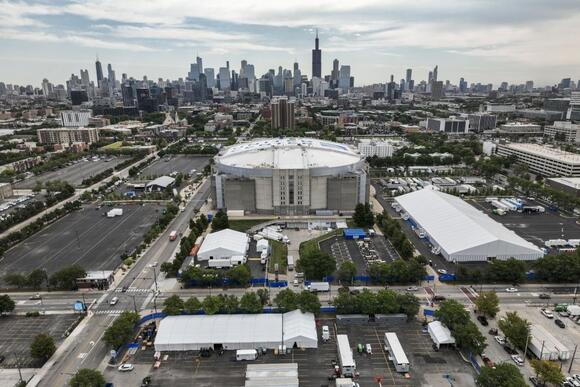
{"x":160,"y":41}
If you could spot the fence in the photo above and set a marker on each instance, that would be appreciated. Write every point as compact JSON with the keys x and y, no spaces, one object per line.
{"x":447,"y":277}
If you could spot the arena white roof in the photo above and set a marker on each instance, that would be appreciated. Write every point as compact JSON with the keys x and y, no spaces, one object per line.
{"x":224,"y":243}
{"x":289,"y":153}
{"x":237,"y":331}
{"x":463,"y":232}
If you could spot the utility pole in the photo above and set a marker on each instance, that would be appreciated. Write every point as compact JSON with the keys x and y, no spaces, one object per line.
{"x":572,"y":359}
{"x":526,"y":349}
{"x":155,"y":279}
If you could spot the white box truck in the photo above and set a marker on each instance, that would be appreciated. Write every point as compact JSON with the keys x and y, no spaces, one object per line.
{"x":318,"y":287}
{"x":115,"y":212}
{"x":290,"y":262}
{"x":345,"y":358}
{"x":246,"y":354}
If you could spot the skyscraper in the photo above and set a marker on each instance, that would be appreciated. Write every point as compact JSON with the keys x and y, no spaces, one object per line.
{"x":282,"y":113}
{"x":224,"y":74}
{"x":344,"y":80}
{"x":435,"y":70}
{"x":99,"y":72}
{"x":210,"y":77}
{"x":409,"y":80}
{"x":316,"y":59}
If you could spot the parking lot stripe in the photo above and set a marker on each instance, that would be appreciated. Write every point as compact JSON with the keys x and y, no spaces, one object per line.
{"x":385,"y":356}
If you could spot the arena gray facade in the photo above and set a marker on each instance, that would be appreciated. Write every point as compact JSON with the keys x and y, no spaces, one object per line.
{"x":291,"y":176}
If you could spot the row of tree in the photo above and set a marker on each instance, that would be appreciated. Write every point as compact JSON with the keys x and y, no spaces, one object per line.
{"x":384,"y":301}
{"x":197,"y":227}
{"x":398,"y":271}
{"x":561,"y":198}
{"x":202,"y":276}
{"x":392,"y":229}
{"x":250,"y":302}
{"x":456,"y":318}
{"x":122,"y":330}
{"x":98,"y":177}
{"x":64,"y":279}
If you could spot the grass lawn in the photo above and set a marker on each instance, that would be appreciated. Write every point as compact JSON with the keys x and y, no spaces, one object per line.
{"x":279,"y":256}
{"x":115,"y":145}
{"x":243,"y":225}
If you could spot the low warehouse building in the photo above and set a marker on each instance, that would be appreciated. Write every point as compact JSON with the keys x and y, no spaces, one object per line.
{"x":238,"y":331}
{"x":461,"y":232}
{"x":223,"y":244}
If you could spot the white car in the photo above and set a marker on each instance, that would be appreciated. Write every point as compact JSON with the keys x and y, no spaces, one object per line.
{"x":573,"y":381}
{"x":154,"y":264}
{"x":500,"y":340}
{"x":512,"y":290}
{"x":126,"y":367}
{"x":518,"y":360}
{"x":547,"y":313}
{"x":295,"y":283}
{"x":114,"y":301}
{"x":442,"y":271}
{"x":412,"y":289}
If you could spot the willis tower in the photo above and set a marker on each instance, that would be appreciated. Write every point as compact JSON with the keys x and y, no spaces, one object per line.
{"x":316,"y":59}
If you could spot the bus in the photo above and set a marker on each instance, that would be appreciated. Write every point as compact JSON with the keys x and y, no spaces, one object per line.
{"x":345,"y":359}
{"x":396,"y":352}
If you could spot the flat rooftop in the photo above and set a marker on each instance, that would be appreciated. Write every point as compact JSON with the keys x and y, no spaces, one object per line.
{"x":546,"y":152}
{"x":572,"y":182}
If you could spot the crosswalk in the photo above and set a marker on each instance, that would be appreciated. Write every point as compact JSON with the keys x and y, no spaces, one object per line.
{"x":108,"y":311}
{"x":134,"y":290}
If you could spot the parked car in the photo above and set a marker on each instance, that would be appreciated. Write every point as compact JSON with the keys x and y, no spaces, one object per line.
{"x":564,"y":314}
{"x":547,"y":313}
{"x":500,"y":340}
{"x":573,"y":381}
{"x":439,"y":298}
{"x":512,"y":290}
{"x":36,"y":296}
{"x":493,"y":331}
{"x":576,"y":376}
{"x":510,"y":350}
{"x":482,"y":320}
{"x":545,"y":296}
{"x":146,"y":381}
{"x":412,"y":289}
{"x":518,"y":360}
{"x":560,"y":323}
{"x":442,"y":271}
{"x":126,"y":367}
{"x":487,"y":361}
{"x":369,"y":349}
{"x":535,"y":381}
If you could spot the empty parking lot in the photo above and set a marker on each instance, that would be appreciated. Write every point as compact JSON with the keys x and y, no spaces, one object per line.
{"x":84,"y":237}
{"x":176,"y":163}
{"x":74,"y":174}
{"x":18,"y":332}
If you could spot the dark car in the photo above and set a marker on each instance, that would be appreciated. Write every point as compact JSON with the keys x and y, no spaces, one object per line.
{"x":482,"y":320}
{"x":536,"y":382}
{"x":545,"y":296}
{"x":124,"y":289}
{"x":2,"y":358}
{"x":560,"y":323}
{"x":510,"y":350}
{"x":439,"y":298}
{"x":146,"y":381}
{"x":493,"y":331}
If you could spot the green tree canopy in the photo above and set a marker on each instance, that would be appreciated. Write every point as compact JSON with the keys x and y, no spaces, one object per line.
{"x":173,"y":305}
{"x":308,"y":302}
{"x":286,"y":300}
{"x":86,"y":377}
{"x":211,"y":305}
{"x":6,"y":304}
{"x":251,"y":303}
{"x":548,"y":372}
{"x":192,"y":305}
{"x":515,"y":329}
{"x":487,"y":303}
{"x":220,"y":221}
{"x":121,"y":331}
{"x":452,"y":314}
{"x":42,"y":347}
{"x":66,"y":277}
{"x":240,"y":274}
{"x":316,"y":264}
{"x":502,"y":375}
{"x":346,"y":271}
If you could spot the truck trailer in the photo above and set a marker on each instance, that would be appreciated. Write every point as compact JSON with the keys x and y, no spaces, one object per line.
{"x":545,"y":346}
{"x":345,"y":358}
{"x":318,"y":287}
{"x":115,"y":212}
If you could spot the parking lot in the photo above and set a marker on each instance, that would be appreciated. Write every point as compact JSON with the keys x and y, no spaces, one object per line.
{"x":73,"y":174}
{"x":84,"y":237}
{"x":536,"y":228}
{"x":361,"y":253}
{"x":314,"y":365}
{"x":175,"y":163}
{"x":18,"y":332}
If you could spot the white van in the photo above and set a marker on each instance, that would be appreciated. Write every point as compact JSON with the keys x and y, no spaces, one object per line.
{"x":246,"y":354}
{"x":325,"y":333}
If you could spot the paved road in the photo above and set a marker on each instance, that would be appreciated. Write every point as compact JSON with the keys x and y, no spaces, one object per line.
{"x":83,"y":354}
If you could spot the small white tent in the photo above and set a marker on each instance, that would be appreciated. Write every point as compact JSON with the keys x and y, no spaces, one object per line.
{"x":299,"y":330}
{"x":440,"y":334}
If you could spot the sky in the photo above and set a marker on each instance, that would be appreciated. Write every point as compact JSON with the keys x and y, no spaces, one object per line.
{"x":487,"y":41}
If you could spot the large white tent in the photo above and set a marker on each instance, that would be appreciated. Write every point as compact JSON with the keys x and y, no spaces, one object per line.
{"x":223,"y":244}
{"x":237,"y":331}
{"x":462,"y":232}
{"x":440,"y":334}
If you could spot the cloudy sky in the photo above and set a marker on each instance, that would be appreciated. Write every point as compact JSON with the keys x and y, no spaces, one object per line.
{"x":486,"y":41}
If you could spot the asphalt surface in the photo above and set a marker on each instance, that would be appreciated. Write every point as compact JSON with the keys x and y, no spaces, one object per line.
{"x":74,"y":174}
{"x":178,"y":163}
{"x":88,"y":350}
{"x":84,"y":237}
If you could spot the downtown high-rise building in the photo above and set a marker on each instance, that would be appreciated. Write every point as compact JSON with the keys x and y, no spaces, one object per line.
{"x":344,"y":78}
{"x":282,"y":113}
{"x":99,"y":70}
{"x":316,"y":59}
{"x":210,"y":77}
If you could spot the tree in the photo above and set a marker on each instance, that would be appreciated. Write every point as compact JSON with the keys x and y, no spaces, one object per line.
{"x":286,"y":300}
{"x":487,"y":303}
{"x":230,"y":304}
{"x":42,"y":347}
{"x":308,"y":302}
{"x":408,"y":304}
{"x":211,"y":305}
{"x":363,"y":216}
{"x":6,"y":304}
{"x":36,"y":278}
{"x":345,"y":303}
{"x":240,"y":274}
{"x":251,"y":303}
{"x":316,"y":264}
{"x":173,"y":305}
{"x":121,"y":331}
{"x":66,"y":278}
{"x":548,"y":372}
{"x":346,"y":271}
{"x":192,"y":305}
{"x":515,"y":329}
{"x":452,"y":314}
{"x":86,"y":377}
{"x":16,"y":279}
{"x":468,"y":336}
{"x":220,"y":221}
{"x":264,"y":295}
{"x":387,"y":302}
{"x":510,"y":271}
{"x":502,"y":375}
{"x":367,"y":302}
